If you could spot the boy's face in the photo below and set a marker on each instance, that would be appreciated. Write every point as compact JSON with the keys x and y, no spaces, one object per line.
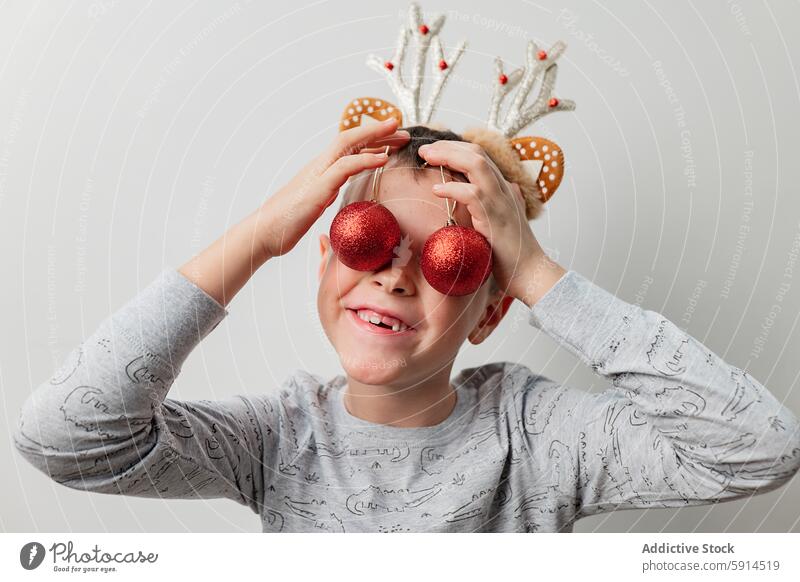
{"x":440,"y":323}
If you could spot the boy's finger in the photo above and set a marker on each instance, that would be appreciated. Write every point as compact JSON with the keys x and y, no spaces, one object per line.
{"x":461,"y":157}
{"x":396,"y":140}
{"x":464,"y":193}
{"x":354,"y":139}
{"x":393,"y":147}
{"x":337,"y":174}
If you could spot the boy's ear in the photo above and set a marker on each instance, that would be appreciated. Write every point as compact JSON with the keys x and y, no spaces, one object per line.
{"x":324,"y":249}
{"x":495,"y":311}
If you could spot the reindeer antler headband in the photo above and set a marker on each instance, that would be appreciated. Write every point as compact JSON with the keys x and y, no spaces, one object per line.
{"x":535,"y":163}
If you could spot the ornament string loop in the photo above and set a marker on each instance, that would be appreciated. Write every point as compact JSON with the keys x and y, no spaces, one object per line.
{"x":451,"y":219}
{"x":376,"y":179}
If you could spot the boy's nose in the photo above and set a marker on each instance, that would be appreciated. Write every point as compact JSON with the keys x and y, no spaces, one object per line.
{"x":394,"y":279}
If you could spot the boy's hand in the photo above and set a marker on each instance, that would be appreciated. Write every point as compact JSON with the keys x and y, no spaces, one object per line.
{"x":289,"y":213}
{"x":521,"y":267}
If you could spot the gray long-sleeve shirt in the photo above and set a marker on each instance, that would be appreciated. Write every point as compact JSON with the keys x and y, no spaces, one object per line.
{"x":518,"y":453}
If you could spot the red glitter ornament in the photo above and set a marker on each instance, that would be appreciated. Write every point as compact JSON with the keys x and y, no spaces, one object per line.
{"x":456,"y":260}
{"x":364,"y":235}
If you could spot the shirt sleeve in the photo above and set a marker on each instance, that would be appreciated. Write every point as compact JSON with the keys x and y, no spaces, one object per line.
{"x":679,"y":427}
{"x":103,"y":423}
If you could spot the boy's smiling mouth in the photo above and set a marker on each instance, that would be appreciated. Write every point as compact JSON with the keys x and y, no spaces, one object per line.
{"x":378,"y":321}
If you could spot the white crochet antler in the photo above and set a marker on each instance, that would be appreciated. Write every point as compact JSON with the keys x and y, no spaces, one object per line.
{"x":409,"y":94}
{"x":542,"y":160}
{"x":539,"y":64}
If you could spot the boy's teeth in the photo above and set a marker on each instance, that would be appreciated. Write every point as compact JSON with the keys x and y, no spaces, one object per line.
{"x":373,"y":317}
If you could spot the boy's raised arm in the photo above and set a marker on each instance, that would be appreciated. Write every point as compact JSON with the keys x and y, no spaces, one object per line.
{"x":103,"y":423}
{"x":225,"y":266}
{"x":680,"y":426}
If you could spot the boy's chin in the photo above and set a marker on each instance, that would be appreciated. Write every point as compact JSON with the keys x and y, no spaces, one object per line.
{"x":374,"y":370}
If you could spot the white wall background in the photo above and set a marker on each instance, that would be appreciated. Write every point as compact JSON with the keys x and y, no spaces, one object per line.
{"x":133,"y":134}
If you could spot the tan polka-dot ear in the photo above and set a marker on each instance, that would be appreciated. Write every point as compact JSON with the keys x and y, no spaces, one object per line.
{"x":551,"y":171}
{"x":368,"y":110}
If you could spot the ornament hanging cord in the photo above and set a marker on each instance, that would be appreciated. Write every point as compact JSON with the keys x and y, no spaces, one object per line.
{"x":451,"y":220}
{"x":376,"y":178}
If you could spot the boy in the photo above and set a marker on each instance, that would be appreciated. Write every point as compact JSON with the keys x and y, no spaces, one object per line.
{"x":395,"y":444}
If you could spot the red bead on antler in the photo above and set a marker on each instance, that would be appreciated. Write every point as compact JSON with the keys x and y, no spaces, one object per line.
{"x":553,"y":102}
{"x":424,"y":29}
{"x":389,"y":65}
{"x":443,"y":64}
{"x":503,"y":79}
{"x":542,"y":55}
